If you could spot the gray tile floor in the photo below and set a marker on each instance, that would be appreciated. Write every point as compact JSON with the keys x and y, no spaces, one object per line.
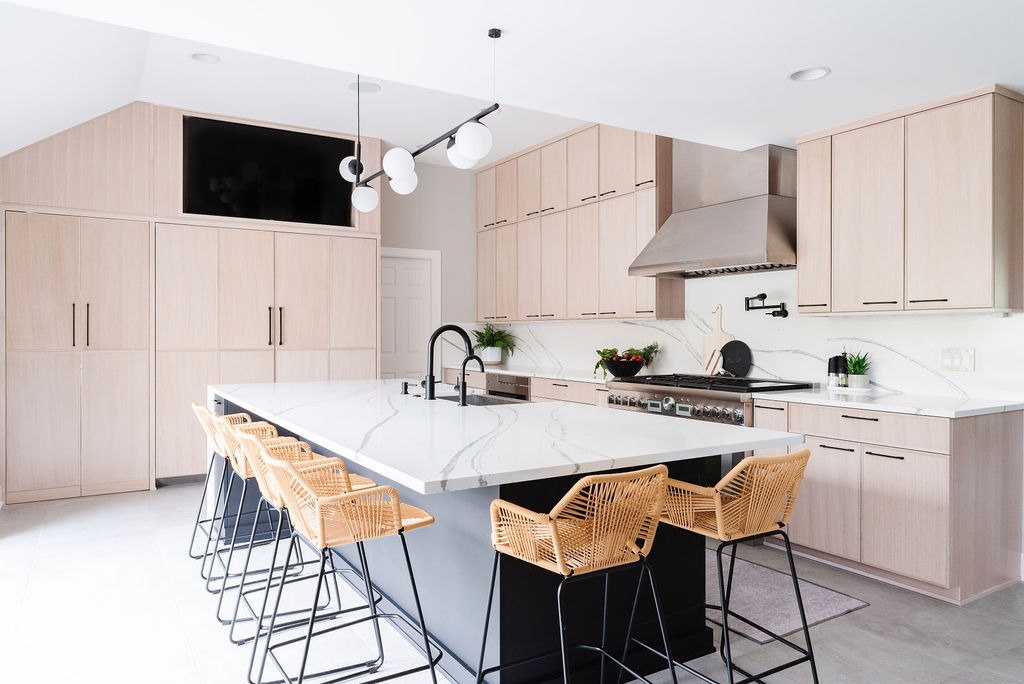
{"x":100,"y":589}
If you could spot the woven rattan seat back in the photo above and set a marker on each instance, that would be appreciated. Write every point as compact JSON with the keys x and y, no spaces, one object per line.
{"x":322,"y":508}
{"x":755,"y":497}
{"x":229,"y":435}
{"x":602,"y":522}
{"x":255,"y":451}
{"x":207,"y":420}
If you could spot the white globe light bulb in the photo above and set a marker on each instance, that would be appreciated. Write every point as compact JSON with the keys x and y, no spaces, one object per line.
{"x":347,"y":168}
{"x":457,"y":160}
{"x":473,"y":140}
{"x":398,"y":162}
{"x":364,"y":199}
{"x":405,"y":184}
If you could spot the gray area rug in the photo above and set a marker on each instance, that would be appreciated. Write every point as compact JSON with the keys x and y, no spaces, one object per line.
{"x":766,"y":597}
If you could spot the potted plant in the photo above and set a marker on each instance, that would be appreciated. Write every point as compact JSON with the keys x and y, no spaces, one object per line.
{"x":490,"y":342}
{"x":857,"y":367}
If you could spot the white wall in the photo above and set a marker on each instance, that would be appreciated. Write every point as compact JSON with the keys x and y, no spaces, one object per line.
{"x":439,"y":215}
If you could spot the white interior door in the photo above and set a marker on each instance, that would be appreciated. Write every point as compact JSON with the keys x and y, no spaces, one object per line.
{"x":410,"y":308}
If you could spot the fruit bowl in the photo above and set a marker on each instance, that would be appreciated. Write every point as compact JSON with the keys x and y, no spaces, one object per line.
{"x":623,"y":369}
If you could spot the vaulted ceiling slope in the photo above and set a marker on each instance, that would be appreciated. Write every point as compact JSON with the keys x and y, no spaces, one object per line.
{"x":712,"y":72}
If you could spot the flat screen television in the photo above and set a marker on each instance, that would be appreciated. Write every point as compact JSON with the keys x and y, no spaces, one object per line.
{"x":253,"y":172}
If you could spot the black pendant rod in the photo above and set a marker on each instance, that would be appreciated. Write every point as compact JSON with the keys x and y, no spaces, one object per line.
{"x":444,"y":136}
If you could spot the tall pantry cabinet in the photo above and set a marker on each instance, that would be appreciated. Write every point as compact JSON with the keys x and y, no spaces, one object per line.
{"x":78,"y":335}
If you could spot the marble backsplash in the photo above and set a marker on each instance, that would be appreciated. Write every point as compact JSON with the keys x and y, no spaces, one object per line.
{"x":905,"y":349}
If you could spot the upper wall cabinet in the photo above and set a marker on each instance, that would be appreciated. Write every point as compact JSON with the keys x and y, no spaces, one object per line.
{"x":496,"y":196}
{"x":617,"y":162}
{"x":582,"y":164}
{"x":553,"y":176}
{"x":921,"y":211}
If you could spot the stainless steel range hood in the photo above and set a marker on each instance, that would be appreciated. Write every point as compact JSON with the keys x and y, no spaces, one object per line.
{"x":733,"y":212}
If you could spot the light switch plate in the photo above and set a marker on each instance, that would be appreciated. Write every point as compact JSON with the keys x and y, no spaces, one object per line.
{"x":958,"y":359}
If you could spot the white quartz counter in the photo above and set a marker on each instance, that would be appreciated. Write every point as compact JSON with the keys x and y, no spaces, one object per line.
{"x":574,"y":375}
{"x":895,"y":402}
{"x":436,"y":446}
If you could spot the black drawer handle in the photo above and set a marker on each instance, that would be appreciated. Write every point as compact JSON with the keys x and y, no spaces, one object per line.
{"x":607,"y":313}
{"x":588,"y":198}
{"x":548,"y":209}
{"x":827,"y":446}
{"x":588,"y":313}
{"x":812,"y":304}
{"x":875,"y":453}
{"x":531,"y":213}
{"x":645,"y":311}
{"x":644,"y":182}
{"x":501,"y":316}
{"x":873,"y":420}
{"x":927,"y":301}
{"x":547,"y":315}
{"x":555,"y":384}
{"x":770,"y":408}
{"x":533,"y":315}
{"x":867,"y":303}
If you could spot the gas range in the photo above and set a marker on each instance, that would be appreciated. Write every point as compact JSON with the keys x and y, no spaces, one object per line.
{"x":715,"y":398}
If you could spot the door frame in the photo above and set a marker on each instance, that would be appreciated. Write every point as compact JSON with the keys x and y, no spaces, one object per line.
{"x":434,"y":256}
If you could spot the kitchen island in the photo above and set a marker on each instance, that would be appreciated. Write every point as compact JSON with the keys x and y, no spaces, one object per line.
{"x":452,"y":461}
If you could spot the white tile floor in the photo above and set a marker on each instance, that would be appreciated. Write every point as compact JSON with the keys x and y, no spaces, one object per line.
{"x":100,"y":589}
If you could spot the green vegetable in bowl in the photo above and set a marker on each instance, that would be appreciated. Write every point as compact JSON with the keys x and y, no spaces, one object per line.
{"x":646,"y":355}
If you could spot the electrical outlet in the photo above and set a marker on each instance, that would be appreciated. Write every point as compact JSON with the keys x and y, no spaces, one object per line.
{"x":958,"y":359}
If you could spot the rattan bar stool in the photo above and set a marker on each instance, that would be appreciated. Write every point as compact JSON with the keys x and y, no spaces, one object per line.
{"x":205,"y":418}
{"x":327,"y":515}
{"x":605,"y":523}
{"x":228,"y":540}
{"x":753,"y":501}
{"x":302,"y":455}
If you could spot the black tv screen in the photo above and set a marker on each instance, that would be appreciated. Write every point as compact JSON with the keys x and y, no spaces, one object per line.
{"x":234,"y":169}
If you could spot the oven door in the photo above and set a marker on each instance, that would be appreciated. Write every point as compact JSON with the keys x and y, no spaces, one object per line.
{"x":510,"y":386}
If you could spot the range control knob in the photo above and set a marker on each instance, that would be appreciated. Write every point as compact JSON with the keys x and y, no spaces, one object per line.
{"x":707,"y":411}
{"x":668,"y":404}
{"x":737,"y":415}
{"x":695,"y":412}
{"x":727,"y":414}
{"x":632,"y":401}
{"x":717,"y":412}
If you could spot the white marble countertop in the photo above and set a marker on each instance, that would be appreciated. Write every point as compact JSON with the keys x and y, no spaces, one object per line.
{"x":896,"y":402}
{"x":574,"y":375}
{"x":437,"y":446}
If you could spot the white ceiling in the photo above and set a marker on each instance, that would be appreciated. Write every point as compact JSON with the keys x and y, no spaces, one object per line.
{"x":713,"y":72}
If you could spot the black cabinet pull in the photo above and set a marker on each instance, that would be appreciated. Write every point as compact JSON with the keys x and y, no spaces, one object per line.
{"x":488,"y":318}
{"x":72,"y":324}
{"x":875,"y":453}
{"x":588,"y":313}
{"x":828,"y":446}
{"x":501,"y":316}
{"x":498,"y":223}
{"x":770,"y":408}
{"x":892,"y":302}
{"x":87,"y":324}
{"x":488,"y":225}
{"x":607,"y":313}
{"x":873,"y":420}
{"x":533,"y":315}
{"x":555,"y":384}
{"x":548,"y":209}
{"x":644,"y":311}
{"x":547,"y":315}
{"x":270,"y":325}
{"x":644,"y":182}
{"x":607,"y":192}
{"x":280,"y":325}
{"x":531,"y":213}
{"x":588,"y":198}
{"x":927,"y":301}
{"x":812,"y":305}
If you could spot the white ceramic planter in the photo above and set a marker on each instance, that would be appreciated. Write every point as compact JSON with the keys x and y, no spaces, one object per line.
{"x":491,"y":355}
{"x":858,"y":382}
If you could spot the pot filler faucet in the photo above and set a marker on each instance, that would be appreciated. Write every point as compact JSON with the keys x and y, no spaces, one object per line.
{"x":428,"y":382}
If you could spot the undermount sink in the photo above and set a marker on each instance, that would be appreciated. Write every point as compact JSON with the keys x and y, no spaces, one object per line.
{"x":483,"y":400}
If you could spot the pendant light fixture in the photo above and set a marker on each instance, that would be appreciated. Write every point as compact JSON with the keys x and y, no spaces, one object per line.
{"x":467,"y":144}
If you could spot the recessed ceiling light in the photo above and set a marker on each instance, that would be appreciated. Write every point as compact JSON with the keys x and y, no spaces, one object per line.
{"x":205,"y":58}
{"x":366,"y":87}
{"x":811,"y":74}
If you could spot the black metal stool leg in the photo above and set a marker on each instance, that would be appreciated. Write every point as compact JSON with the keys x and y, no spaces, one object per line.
{"x":218,"y":519}
{"x":273,"y":616}
{"x":245,"y":570}
{"x":800,"y":606}
{"x":245,"y":566}
{"x":487,"y":620}
{"x":231,"y":543}
{"x":312,"y":618}
{"x":561,"y":632}
{"x":419,"y":608}
{"x":661,"y":621}
{"x":727,"y":652}
{"x":368,"y":583}
{"x":199,"y":513}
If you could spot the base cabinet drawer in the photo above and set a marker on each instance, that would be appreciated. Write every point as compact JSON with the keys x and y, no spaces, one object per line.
{"x":901,"y":430}
{"x":564,"y":390}
{"x":905,"y":513}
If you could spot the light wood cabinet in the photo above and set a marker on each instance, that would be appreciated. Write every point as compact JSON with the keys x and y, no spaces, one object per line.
{"x":616,"y":161}
{"x":827,"y":514}
{"x":960,"y":216}
{"x":528,"y":182}
{"x":93,"y":274}
{"x":485,"y":189}
{"x":505,"y":275}
{"x":553,"y":176}
{"x":867,"y":218}
{"x":646,"y":161}
{"x":923,"y":433}
{"x":905,"y":513}
{"x":181,"y":380}
{"x":186,"y":287}
{"x":771,"y":415}
{"x":245,"y":289}
{"x":353,"y":364}
{"x":616,"y":251}
{"x":301,"y":268}
{"x":529,"y":267}
{"x":582,"y":161}
{"x":582,"y":262}
{"x":814,"y":226}
{"x":485,"y":275}
{"x":563,"y":390}
{"x":353,"y":300}
{"x":505,"y":195}
{"x":552,"y":266}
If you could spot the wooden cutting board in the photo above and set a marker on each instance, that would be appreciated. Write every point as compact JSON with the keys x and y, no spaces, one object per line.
{"x":715,"y":338}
